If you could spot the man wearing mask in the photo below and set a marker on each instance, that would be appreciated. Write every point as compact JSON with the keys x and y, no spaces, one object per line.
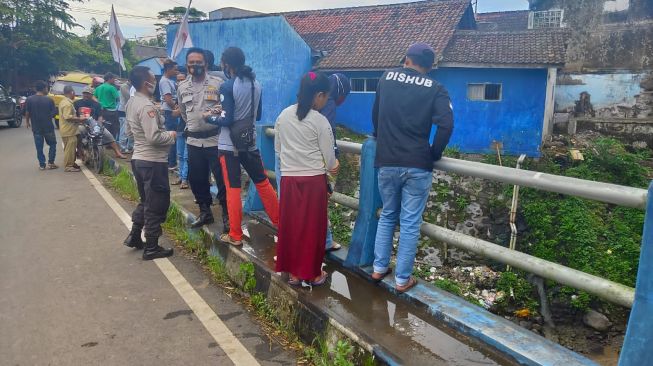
{"x":68,"y":128}
{"x":408,"y":103}
{"x":149,"y":164}
{"x":198,"y":94}
{"x":168,"y":91}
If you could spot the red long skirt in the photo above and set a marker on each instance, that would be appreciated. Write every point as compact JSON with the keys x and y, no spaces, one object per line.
{"x":302,"y":226}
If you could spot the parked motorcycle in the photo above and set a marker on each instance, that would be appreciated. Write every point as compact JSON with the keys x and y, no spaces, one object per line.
{"x":90,"y":145}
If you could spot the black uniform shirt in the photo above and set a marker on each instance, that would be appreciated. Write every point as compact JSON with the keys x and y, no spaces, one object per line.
{"x":407,"y":104}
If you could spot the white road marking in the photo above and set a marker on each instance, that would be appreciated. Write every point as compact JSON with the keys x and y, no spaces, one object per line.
{"x":213,"y":324}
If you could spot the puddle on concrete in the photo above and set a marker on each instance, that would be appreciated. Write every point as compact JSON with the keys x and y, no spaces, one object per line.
{"x":403,"y":329}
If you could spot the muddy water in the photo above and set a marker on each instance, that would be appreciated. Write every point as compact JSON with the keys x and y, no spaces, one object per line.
{"x":407,"y":332}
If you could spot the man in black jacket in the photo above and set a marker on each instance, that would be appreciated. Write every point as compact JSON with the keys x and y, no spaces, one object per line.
{"x":408,"y":102}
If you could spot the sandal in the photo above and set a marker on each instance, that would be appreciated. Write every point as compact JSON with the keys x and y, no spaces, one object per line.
{"x":294,"y":282}
{"x":176,"y":183}
{"x":320,"y":280}
{"x":411,"y":283}
{"x":183,"y":185}
{"x":228,"y":239}
{"x":378,"y":277}
{"x":334,"y":247}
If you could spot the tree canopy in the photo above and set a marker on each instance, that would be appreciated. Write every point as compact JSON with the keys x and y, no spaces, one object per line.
{"x":36,"y":41}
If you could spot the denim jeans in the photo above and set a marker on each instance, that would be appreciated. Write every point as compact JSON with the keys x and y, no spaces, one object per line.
{"x":51,"y":139}
{"x":182,"y":156}
{"x":126,"y":143}
{"x":171,"y":124}
{"x":277,"y":172}
{"x":404,"y":192}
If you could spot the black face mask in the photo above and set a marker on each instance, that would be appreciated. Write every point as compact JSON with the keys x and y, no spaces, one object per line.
{"x":196,"y":70}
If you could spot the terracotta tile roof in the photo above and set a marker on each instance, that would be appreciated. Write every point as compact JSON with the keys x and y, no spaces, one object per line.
{"x":503,"y":20}
{"x":542,"y":46}
{"x":376,"y":37}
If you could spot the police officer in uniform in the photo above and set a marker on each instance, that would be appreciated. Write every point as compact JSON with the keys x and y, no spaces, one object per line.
{"x":197,"y":95}
{"x":150,"y":165}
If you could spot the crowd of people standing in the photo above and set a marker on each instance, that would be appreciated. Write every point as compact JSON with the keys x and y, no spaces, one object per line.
{"x":204,"y":126}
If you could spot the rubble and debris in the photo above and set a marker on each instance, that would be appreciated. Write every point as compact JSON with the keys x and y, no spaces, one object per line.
{"x":596,"y":320}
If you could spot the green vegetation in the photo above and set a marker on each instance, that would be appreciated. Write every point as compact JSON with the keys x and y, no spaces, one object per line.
{"x":346,"y":134}
{"x":518,"y":292}
{"x":247,"y":276}
{"x":36,"y":38}
{"x":123,"y":183}
{"x":340,"y":224}
{"x":319,"y":354}
{"x":449,"y":286}
{"x":593,"y":237}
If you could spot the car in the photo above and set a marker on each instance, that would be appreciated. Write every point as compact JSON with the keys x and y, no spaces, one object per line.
{"x":9,"y":109}
{"x":78,"y":80}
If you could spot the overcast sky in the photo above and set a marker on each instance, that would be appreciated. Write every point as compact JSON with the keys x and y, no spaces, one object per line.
{"x":139,"y":27}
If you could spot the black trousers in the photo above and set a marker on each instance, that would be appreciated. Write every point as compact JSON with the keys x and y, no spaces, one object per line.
{"x":113,"y":124}
{"x":154,"y":190}
{"x":203,"y":161}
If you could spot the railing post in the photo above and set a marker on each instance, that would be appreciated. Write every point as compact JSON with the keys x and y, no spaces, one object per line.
{"x":361,"y":248}
{"x":637,"y":349}
{"x":266,"y":147}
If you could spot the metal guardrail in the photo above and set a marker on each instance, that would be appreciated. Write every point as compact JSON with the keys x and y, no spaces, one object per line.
{"x":603,"y":192}
{"x":597,"y":191}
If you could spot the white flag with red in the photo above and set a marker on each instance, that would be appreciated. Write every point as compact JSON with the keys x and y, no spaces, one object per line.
{"x":116,"y":39}
{"x":182,"y":39}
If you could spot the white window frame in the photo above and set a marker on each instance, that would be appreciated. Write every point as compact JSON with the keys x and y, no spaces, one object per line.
{"x":547,"y":14}
{"x":365,"y":80}
{"x":485,"y":86}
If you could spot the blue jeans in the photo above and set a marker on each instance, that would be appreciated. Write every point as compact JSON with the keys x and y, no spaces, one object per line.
{"x":404,"y":192}
{"x":51,"y":139}
{"x":171,"y":124}
{"x":126,"y":143}
{"x":182,"y":156}
{"x":277,"y":172}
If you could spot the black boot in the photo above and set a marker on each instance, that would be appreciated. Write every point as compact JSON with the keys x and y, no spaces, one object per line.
{"x":134,"y":240}
{"x":225,"y":218}
{"x":205,"y":217}
{"x":154,"y":251}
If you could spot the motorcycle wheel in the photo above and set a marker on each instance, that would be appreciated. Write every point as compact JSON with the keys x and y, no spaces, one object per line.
{"x":98,"y":158}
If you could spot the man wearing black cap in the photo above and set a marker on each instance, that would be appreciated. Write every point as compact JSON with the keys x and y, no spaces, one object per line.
{"x":408,"y":102}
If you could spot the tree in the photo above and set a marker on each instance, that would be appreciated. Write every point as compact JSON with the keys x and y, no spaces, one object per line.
{"x":31,"y":32}
{"x":36,"y":42}
{"x":174,"y":15}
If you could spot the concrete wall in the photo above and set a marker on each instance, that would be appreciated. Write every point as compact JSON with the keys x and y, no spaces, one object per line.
{"x":606,"y":90}
{"x":606,"y":34}
{"x":272,"y":47}
{"x":516,"y":120}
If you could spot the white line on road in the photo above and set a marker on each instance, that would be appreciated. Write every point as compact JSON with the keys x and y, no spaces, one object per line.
{"x":213,"y":324}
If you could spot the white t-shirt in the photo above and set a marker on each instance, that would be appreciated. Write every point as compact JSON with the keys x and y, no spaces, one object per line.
{"x":305,"y":147}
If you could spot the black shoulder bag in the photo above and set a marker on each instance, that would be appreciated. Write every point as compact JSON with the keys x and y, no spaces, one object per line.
{"x":242,"y":132}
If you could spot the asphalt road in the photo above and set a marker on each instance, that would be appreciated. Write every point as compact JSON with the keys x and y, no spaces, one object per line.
{"x":72,"y":294}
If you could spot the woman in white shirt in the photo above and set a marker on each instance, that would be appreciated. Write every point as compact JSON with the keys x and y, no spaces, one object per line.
{"x":304,"y":143}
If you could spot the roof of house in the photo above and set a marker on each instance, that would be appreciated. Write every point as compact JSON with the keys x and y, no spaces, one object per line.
{"x":142,"y":52}
{"x":528,"y":47}
{"x":503,"y":20}
{"x":376,"y":37}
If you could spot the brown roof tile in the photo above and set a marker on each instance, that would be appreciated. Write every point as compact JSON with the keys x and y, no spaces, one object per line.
{"x":529,"y":47}
{"x":503,"y":20}
{"x":376,"y":37}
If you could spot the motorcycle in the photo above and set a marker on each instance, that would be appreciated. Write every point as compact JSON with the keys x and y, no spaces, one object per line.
{"x":90,"y":145}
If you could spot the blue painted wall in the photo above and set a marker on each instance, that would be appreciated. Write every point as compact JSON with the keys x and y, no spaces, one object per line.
{"x":153,"y":65}
{"x":272,"y":48}
{"x":606,"y":90}
{"x":516,"y":120}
